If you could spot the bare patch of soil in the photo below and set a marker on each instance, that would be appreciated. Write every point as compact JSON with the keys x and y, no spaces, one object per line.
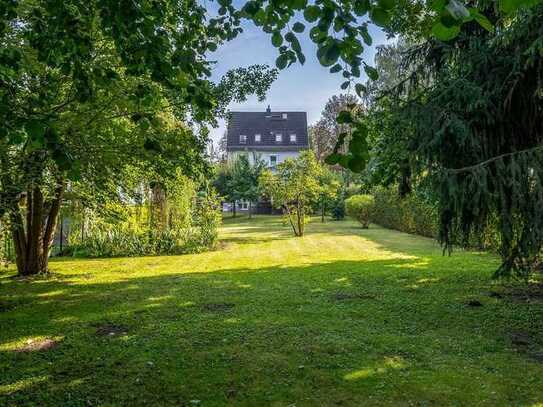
{"x":520,"y":338}
{"x":218,"y":306}
{"x":524,"y":343}
{"x":524,"y":294}
{"x":536,"y":356}
{"x":37,"y":345}
{"x":111,"y":330}
{"x":6,"y":306}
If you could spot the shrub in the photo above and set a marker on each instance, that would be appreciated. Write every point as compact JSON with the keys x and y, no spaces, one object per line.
{"x":411,"y":214}
{"x":360,"y":207}
{"x":186,"y":223}
{"x":418,"y":215}
{"x":338,"y":210}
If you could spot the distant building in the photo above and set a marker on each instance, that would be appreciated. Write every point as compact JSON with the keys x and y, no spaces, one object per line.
{"x":271,"y":136}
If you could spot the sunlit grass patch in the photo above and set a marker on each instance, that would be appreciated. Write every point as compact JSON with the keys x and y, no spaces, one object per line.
{"x":342,"y":316}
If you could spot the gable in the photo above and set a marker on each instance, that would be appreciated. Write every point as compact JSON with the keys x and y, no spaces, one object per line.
{"x":267,"y":125}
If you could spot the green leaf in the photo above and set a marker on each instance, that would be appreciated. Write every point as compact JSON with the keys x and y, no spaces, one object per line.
{"x":445,"y":33}
{"x":281,"y":61}
{"x":437,"y":5}
{"x":290,"y":36}
{"x":345,"y":85}
{"x":295,"y":44}
{"x":212,"y":46}
{"x":251,"y":8}
{"x":277,"y":39}
{"x":298,"y":27}
{"x":379,"y":16}
{"x":299,"y":4}
{"x":328,"y":54}
{"x":336,"y":68}
{"x":317,"y":35}
{"x":344,"y":160}
{"x":510,"y":6}
{"x":301,"y":57}
{"x":344,"y":117}
{"x":358,"y":146}
{"x":332,"y":159}
{"x":447,"y":20}
{"x":35,"y":129}
{"x":482,"y":20}
{"x":360,"y":89}
{"x":366,"y":35}
{"x":371,"y":72}
{"x":386,"y":4}
{"x":357,"y":164}
{"x":312,"y":13}
{"x":361,"y":7}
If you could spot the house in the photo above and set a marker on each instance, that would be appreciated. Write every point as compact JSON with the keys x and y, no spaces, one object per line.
{"x":271,"y":136}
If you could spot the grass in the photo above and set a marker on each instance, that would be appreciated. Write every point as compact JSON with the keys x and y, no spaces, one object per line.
{"x":343,"y":316}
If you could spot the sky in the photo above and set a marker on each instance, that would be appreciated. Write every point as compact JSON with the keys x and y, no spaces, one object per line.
{"x":302,"y":88}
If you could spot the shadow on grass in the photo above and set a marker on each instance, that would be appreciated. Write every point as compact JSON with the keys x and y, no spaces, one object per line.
{"x":322,"y":333}
{"x":335,"y":329}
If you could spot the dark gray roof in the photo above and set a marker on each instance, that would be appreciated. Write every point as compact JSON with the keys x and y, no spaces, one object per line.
{"x":267,"y":124}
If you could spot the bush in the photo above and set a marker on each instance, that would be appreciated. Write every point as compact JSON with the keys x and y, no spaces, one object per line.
{"x":185,"y":223}
{"x":418,"y":215}
{"x":360,"y":207}
{"x":338,"y":210}
{"x":411,"y":214}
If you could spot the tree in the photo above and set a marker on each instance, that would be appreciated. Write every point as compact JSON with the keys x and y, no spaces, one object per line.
{"x":64,"y":64}
{"x":324,"y":134}
{"x":329,"y":186}
{"x":469,"y":122}
{"x":87,"y":89}
{"x":294,"y":187}
{"x":222,"y":182}
{"x":238,"y":180}
{"x":244,"y":181}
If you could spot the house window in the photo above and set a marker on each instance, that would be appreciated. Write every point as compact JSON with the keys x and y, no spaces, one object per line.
{"x":243,"y":205}
{"x":257,"y":138}
{"x":242,"y":139}
{"x":285,"y":116}
{"x":293,"y":138}
{"x":273,"y":161}
{"x":278,"y":137}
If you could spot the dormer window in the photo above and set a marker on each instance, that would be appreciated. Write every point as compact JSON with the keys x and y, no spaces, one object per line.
{"x":278,"y":137}
{"x":257,"y":138}
{"x":285,"y":116}
{"x":293,"y":138}
{"x":242,"y":139}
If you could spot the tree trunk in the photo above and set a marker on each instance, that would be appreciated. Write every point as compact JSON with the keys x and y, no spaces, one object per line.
{"x":32,"y":248}
{"x":287,"y":210}
{"x":234,"y":209}
{"x":159,"y":212}
{"x":322,"y":211}
{"x":250,"y":210}
{"x":300,"y":215}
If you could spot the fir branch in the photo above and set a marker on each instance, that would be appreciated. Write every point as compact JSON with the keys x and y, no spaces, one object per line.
{"x":490,"y":160}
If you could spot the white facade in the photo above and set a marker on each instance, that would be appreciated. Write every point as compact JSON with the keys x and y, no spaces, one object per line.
{"x":271,"y":158}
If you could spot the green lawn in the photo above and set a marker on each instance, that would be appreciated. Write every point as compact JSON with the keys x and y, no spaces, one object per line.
{"x":343,"y":316}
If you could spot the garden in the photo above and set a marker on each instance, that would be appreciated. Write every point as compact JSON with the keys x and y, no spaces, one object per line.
{"x":342,"y":316}
{"x":383,"y":247}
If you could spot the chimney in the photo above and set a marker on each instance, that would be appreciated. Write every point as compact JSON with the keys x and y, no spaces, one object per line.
{"x":268,"y":110}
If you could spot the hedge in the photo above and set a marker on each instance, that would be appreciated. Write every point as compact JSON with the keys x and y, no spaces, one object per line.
{"x":413,"y":214}
{"x":410,"y":214}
